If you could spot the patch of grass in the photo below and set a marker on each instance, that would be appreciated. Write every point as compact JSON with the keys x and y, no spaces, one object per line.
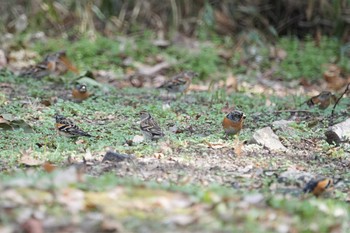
{"x":306,"y":59}
{"x":112,"y":118}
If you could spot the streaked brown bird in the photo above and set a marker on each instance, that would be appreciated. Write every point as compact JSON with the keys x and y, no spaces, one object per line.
{"x":322,"y":100}
{"x":66,"y":127}
{"x":180,"y":82}
{"x":149,"y":127}
{"x":53,"y":64}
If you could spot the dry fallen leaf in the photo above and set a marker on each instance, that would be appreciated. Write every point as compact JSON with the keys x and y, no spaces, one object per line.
{"x":227,"y":109}
{"x":10,"y":122}
{"x":32,"y":225}
{"x":231,"y":84}
{"x":3,"y":60}
{"x":238,"y":147}
{"x":215,"y":145}
{"x":181,"y":219}
{"x":158,"y":155}
{"x":333,"y":78}
{"x":277,"y":53}
{"x":138,"y":139}
{"x":4,"y":123}
{"x":145,"y":70}
{"x":49,"y":167}
{"x":28,"y":159}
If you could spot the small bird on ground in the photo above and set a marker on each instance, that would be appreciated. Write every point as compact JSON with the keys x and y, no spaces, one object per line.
{"x":149,"y":127}
{"x":233,"y":122}
{"x":322,"y":100}
{"x":319,"y":186}
{"x":66,"y":127}
{"x":56,"y":64}
{"x":180,"y":82}
{"x":80,"y":92}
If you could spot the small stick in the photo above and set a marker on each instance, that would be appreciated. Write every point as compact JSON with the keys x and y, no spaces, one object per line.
{"x":282,"y":111}
{"x":336,"y":103}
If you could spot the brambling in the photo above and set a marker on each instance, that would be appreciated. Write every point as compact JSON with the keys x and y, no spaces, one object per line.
{"x":323,"y":100}
{"x":66,"y":127}
{"x":233,"y":122}
{"x":56,"y":63}
{"x":317,"y":187}
{"x":80,"y":92}
{"x":180,"y":82}
{"x":149,"y":127}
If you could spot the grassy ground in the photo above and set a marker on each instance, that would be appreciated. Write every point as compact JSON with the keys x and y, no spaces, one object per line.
{"x":193,"y":180}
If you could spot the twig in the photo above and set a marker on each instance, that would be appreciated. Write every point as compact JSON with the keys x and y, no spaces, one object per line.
{"x":282,"y":111}
{"x":336,"y":103}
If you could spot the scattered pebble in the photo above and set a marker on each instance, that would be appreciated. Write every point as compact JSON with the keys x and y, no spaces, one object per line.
{"x":338,"y":132}
{"x":116,"y":157}
{"x":266,"y":137}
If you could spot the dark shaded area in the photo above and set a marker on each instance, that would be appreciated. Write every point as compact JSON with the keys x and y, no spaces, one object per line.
{"x":268,"y":18}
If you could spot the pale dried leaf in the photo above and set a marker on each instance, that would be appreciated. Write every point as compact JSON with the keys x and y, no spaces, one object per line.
{"x":138,"y":139}
{"x":151,"y":70}
{"x":216,"y":145}
{"x":3,"y":60}
{"x":28,"y":159}
{"x":33,"y":225}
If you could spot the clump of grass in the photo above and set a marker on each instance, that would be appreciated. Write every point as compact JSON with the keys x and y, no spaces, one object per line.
{"x":306,"y":59}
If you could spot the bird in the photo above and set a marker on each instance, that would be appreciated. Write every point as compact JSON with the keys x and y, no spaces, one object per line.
{"x":317,"y":187}
{"x":233,"y":122}
{"x":56,"y":64}
{"x":149,"y":127}
{"x":322,"y":100}
{"x":66,"y":127}
{"x":180,"y":82}
{"x":80,"y":92}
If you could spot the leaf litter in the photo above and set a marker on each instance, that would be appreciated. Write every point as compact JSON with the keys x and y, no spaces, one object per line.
{"x":230,"y":164}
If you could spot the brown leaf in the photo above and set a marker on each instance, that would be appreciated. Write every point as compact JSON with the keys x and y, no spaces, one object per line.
{"x":333,"y":78}
{"x":277,"y":53}
{"x":145,"y":70}
{"x":181,"y":219}
{"x":9,"y":122}
{"x":3,"y":121}
{"x":197,"y":87}
{"x":215,"y":145}
{"x":28,"y":159}
{"x":158,"y":155}
{"x":231,"y":84}
{"x":49,"y":167}
{"x":238,"y":147}
{"x":3,"y":60}
{"x":225,"y":54}
{"x":46,"y":102}
{"x":32,"y":225}
{"x":161,"y":43}
{"x":227,"y":109}
{"x":223,"y":22}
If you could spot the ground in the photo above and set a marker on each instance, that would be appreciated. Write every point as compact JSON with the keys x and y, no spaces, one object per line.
{"x":193,"y":180}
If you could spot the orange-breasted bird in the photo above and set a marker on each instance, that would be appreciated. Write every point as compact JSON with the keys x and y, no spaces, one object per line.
{"x":149,"y":127}
{"x":56,"y":64}
{"x":66,"y":127}
{"x":317,"y":187}
{"x":322,"y":100}
{"x":233,"y":122}
{"x":180,"y":82}
{"x":80,"y":92}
